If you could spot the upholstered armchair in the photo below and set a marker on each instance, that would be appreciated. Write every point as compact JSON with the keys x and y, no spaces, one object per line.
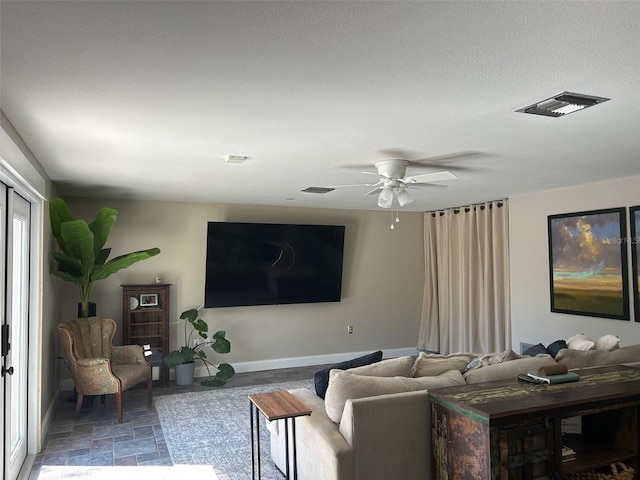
{"x":97,"y":366}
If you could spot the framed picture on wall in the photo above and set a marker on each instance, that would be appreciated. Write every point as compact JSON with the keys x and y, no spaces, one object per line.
{"x":588,"y":268}
{"x":634,"y":214}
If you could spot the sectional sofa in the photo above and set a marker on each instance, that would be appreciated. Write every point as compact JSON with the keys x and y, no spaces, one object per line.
{"x":374,"y":422}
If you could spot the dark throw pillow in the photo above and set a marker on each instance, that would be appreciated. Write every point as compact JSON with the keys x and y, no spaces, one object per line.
{"x":535,"y":350}
{"x":321,"y":377}
{"x":555,"y":347}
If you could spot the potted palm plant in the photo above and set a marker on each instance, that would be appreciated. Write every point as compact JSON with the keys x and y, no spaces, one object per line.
{"x":183,"y":359}
{"x":82,"y":258}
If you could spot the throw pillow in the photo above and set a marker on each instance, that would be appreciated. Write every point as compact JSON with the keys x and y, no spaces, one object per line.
{"x":473,"y":364}
{"x":607,"y":343}
{"x":580,"y":342}
{"x":321,"y":377}
{"x":535,"y":350}
{"x":392,"y":367}
{"x":555,"y":347}
{"x":502,"y":357}
{"x":430,"y":364}
{"x":345,"y":386}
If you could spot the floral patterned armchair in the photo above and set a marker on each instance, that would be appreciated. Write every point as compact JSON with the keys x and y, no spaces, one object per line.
{"x":98,"y":367}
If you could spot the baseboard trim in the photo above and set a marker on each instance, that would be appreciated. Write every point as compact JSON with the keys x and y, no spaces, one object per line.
{"x":276,"y":363}
{"x":48,"y":418}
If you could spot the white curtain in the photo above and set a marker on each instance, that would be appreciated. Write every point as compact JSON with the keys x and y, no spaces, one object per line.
{"x":466,"y":305}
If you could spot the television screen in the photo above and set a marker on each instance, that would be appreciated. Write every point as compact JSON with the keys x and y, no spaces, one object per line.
{"x":269,"y":264}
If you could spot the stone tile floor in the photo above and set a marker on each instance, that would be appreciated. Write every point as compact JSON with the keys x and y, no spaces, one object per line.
{"x":95,"y":446}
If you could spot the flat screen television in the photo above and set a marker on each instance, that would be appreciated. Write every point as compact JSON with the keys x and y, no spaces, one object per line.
{"x":272,"y":264}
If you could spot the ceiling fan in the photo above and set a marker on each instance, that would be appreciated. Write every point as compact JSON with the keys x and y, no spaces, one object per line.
{"x":392,"y":182}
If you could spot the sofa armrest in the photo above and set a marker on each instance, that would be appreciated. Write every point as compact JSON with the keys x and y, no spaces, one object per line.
{"x":322,"y":452}
{"x":390,"y":435}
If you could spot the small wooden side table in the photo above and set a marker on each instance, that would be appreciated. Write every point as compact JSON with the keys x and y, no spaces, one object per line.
{"x":280,"y":405}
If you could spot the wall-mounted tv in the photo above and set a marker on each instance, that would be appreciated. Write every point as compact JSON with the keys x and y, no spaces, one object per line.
{"x":271,"y":264}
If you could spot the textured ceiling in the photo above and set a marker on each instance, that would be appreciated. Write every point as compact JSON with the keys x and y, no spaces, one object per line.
{"x":144,"y":99}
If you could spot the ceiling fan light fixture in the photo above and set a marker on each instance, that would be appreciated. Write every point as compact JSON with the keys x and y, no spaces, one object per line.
{"x":385,"y":199}
{"x":404,"y":198}
{"x":563,"y":104}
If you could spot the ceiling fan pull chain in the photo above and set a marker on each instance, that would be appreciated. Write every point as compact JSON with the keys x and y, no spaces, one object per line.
{"x":392,"y":225}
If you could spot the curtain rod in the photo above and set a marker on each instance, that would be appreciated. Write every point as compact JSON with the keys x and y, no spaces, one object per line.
{"x":467,"y":209}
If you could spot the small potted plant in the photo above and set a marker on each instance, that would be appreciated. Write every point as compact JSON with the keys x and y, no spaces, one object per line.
{"x":183,"y":359}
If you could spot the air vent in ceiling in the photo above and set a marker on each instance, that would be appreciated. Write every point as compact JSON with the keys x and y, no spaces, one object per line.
{"x":563,"y":104}
{"x":318,"y":190}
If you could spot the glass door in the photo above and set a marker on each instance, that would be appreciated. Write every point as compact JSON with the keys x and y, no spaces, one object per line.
{"x":14,"y":321}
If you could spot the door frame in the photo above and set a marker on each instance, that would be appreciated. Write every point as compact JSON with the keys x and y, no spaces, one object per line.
{"x":36,"y":427}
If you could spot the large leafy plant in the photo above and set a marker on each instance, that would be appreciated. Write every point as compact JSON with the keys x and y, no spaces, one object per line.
{"x":83,"y":258}
{"x":193,"y":349}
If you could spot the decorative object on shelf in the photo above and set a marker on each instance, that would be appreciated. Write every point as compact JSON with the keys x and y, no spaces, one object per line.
{"x":588,"y":263}
{"x":82,"y":258}
{"x":148,"y":299}
{"x":193,"y":349}
{"x":133,"y":303}
{"x":634,"y":214}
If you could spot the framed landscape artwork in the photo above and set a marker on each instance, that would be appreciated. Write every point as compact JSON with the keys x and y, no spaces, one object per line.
{"x":634,"y":214}
{"x":588,"y":267}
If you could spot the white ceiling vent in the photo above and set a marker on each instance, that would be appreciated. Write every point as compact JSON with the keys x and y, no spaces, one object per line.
{"x":562,"y":104}
{"x":235,"y":158}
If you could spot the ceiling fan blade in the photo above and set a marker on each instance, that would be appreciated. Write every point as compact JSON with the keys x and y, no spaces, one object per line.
{"x":352,"y":185}
{"x":423,"y":185}
{"x":446,"y":158}
{"x":374,"y":191}
{"x":440,"y":161}
{"x":429,"y":163}
{"x":378,"y":174}
{"x":430,"y":177}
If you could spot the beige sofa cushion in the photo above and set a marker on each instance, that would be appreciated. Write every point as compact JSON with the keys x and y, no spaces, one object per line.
{"x":392,"y":367}
{"x":594,"y":358}
{"x":429,"y":364}
{"x":344,"y":385}
{"x":508,"y":370}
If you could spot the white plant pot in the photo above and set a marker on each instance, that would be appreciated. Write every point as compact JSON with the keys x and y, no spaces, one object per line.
{"x":184,"y":373}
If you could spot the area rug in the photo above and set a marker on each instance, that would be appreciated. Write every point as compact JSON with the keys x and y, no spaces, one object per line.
{"x":213,"y":428}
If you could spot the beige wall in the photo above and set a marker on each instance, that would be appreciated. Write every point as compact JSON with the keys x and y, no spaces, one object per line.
{"x":531,"y":316}
{"x":382,"y":279}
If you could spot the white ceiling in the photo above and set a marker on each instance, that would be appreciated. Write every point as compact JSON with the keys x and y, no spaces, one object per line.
{"x":144,"y":99}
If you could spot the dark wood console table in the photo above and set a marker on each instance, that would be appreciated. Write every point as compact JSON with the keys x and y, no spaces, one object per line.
{"x":508,"y":430}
